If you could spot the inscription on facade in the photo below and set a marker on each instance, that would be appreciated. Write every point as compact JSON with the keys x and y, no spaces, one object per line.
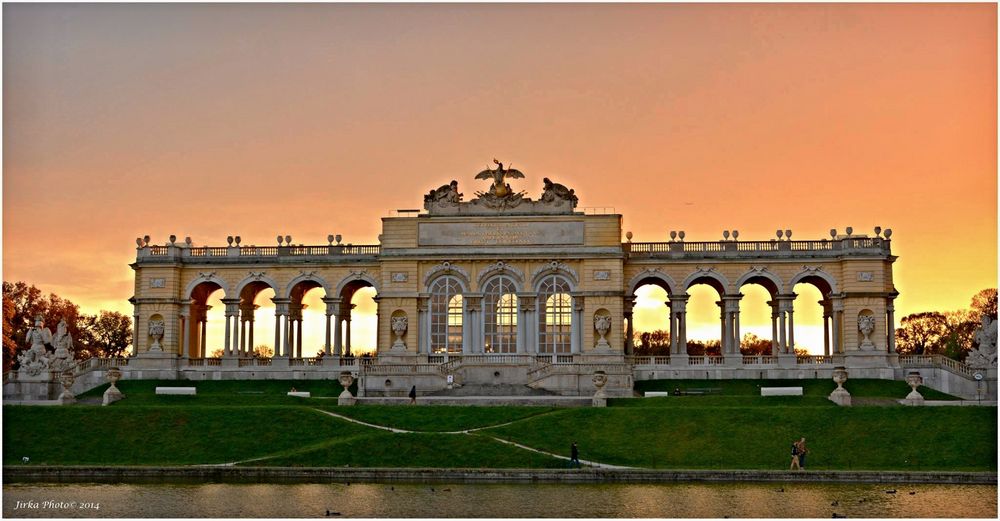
{"x":529,"y":233}
{"x":602,"y":275}
{"x":865,"y":276}
{"x":399,"y":276}
{"x":157,"y":283}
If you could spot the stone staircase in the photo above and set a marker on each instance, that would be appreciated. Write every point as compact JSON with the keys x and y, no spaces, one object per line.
{"x":492,"y":390}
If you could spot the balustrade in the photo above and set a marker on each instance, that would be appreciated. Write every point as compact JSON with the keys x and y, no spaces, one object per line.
{"x":865,"y":245}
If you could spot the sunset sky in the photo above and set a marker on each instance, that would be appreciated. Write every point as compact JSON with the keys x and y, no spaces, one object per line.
{"x":306,"y":120}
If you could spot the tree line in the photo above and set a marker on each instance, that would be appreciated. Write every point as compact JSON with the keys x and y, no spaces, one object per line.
{"x":105,"y":334}
{"x":950,"y":333}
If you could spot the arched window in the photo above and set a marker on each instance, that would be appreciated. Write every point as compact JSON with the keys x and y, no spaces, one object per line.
{"x":555,"y":315}
{"x":446,"y":316}
{"x":500,"y":309}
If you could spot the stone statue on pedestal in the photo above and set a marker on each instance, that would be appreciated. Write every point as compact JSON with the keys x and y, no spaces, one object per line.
{"x":36,"y":359}
{"x":63,"y":358}
{"x":866,"y":324}
{"x":984,"y":356}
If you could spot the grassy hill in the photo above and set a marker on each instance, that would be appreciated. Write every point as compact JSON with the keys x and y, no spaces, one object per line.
{"x":255,"y":423}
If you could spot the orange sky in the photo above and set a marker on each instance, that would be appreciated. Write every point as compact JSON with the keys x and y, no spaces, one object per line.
{"x":125,"y":120}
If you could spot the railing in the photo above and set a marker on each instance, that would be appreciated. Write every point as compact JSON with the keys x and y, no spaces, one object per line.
{"x":208,"y":253}
{"x":388,"y":370}
{"x":757,"y":248}
{"x":941,"y":361}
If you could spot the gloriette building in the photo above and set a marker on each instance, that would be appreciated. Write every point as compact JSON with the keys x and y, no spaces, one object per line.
{"x":506,"y":289}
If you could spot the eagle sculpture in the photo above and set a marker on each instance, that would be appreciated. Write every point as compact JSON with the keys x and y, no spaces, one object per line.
{"x":499,"y":188}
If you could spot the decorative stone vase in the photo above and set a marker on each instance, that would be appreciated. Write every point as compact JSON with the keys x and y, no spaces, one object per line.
{"x":840,"y":396}
{"x":602,"y":323}
{"x":866,"y":324}
{"x":914,"y":380}
{"x":156,"y":328}
{"x":67,"y":379}
{"x":346,"y":398}
{"x":112,"y":394}
{"x":600,"y":399}
{"x":399,"y":327}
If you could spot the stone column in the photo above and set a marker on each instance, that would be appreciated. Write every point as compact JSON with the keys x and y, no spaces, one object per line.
{"x":576,"y":325}
{"x":423,"y":325}
{"x":232,"y":323}
{"x":679,"y":308}
{"x":787,"y":323}
{"x":250,"y":347}
{"x":672,"y":327}
{"x":347,"y":331}
{"x":185,"y":314}
{"x":827,"y":313}
{"x":281,"y":327}
{"x":472,"y":337}
{"x":725,"y":337}
{"x":629,"y":326}
{"x":203,"y":324}
{"x":332,"y":304}
{"x":837,"y":304}
{"x":775,"y":346}
{"x":527,"y":329}
{"x":890,"y":321}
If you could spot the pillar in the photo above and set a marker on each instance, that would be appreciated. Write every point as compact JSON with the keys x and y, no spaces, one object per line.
{"x":775,"y":347}
{"x":672,"y":327}
{"x":679,"y":308}
{"x":281,"y":327}
{"x":576,"y":325}
{"x":232,"y":324}
{"x":891,"y":327}
{"x":185,"y":330}
{"x":837,"y":305}
{"x":629,"y":327}
{"x":826,"y":326}
{"x":347,"y":328}
{"x":332,"y":304}
{"x":527,"y":331}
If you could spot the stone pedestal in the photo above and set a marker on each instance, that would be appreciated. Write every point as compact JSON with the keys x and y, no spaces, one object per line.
{"x":112,"y":394}
{"x":840,"y":396}
{"x":787,"y":361}
{"x":600,"y":398}
{"x":681,"y":360}
{"x":914,"y":380}
{"x":154,"y":360}
{"x":346,"y":398}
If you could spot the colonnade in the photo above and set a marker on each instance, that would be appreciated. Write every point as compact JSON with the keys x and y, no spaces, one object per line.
{"x":238,"y":340}
{"x":782,"y":324}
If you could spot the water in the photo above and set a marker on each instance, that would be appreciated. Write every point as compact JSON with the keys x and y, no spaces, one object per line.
{"x":498,"y":500}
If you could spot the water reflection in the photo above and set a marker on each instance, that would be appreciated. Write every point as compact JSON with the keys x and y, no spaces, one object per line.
{"x":499,"y":500}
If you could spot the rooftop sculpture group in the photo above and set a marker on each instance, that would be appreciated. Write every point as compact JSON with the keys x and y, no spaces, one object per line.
{"x":447,"y":200}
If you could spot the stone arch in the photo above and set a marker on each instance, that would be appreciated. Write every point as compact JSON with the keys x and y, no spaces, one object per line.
{"x":817,"y":277}
{"x":202,"y":278}
{"x":711,"y":277}
{"x":349,"y":280}
{"x":655,"y":277}
{"x":303,"y":277}
{"x":254,"y":278}
{"x":558,"y":268}
{"x":447,"y":268}
{"x":501,"y":268}
{"x":763,"y":277}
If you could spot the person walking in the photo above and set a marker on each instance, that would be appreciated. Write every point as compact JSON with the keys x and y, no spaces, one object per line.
{"x":802,"y":453}
{"x":413,"y":395}
{"x":574,"y":455}
{"x":795,"y":457}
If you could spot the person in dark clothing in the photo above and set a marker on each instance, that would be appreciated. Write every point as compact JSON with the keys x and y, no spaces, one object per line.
{"x":802,"y":453}
{"x":574,"y":455}
{"x":413,"y":395}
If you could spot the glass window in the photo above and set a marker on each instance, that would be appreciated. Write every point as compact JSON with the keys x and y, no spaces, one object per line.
{"x":500,"y":308}
{"x":446,"y":316}
{"x":555,"y":315}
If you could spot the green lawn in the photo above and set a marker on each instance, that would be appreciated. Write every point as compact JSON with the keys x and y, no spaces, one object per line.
{"x":234,"y":421}
{"x":902,"y":438}
{"x":437,"y":418}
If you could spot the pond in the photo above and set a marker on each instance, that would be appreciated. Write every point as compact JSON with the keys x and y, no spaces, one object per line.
{"x":396,"y":500}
